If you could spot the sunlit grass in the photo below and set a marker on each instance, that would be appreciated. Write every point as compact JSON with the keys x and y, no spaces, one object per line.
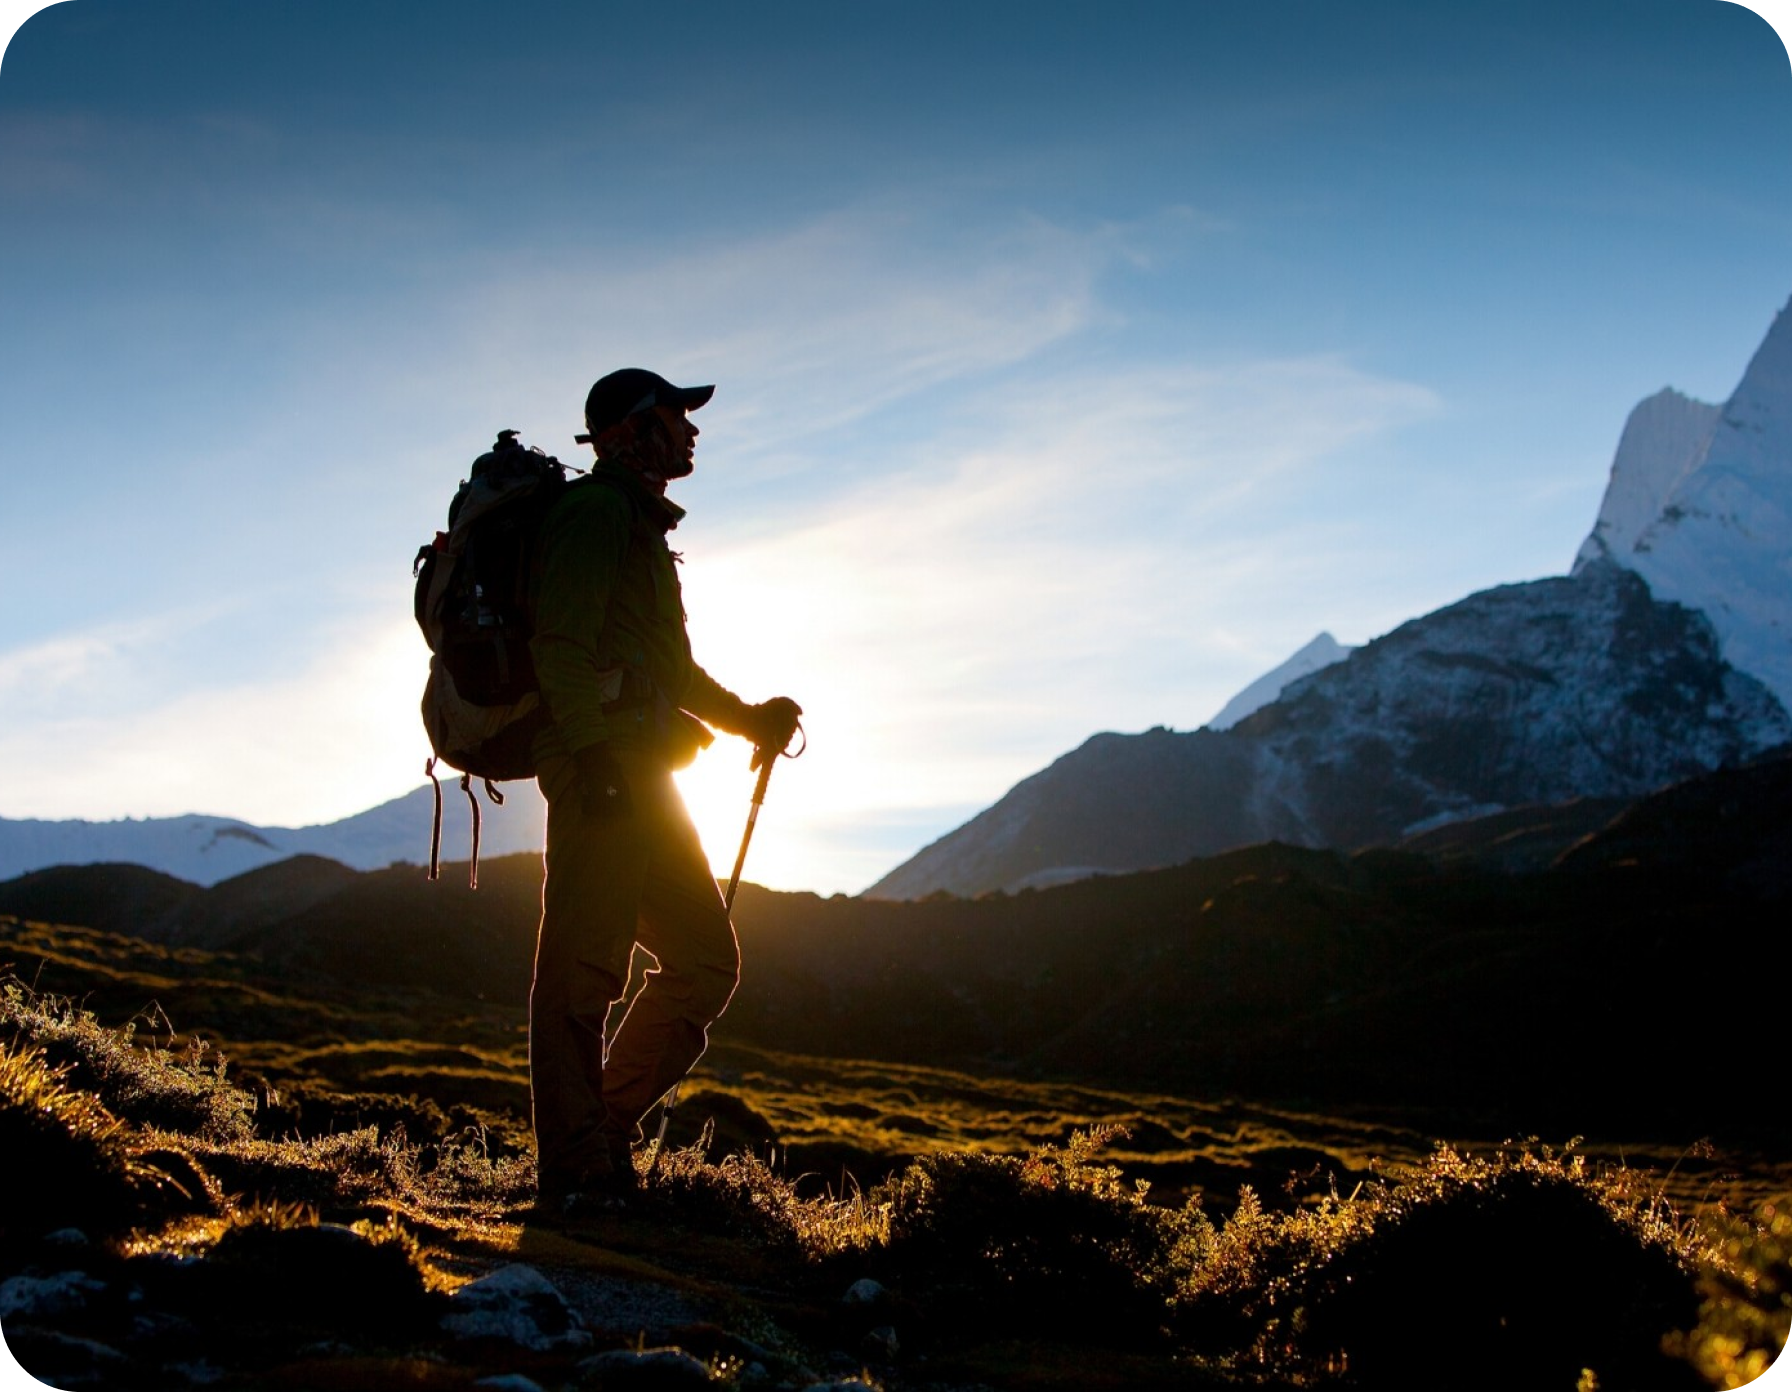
{"x":994,"y":1207}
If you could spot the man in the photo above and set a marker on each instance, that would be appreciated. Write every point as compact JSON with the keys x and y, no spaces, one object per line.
{"x":624,"y":864}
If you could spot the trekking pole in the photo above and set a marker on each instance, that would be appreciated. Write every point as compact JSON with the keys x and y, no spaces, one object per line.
{"x":765,"y":760}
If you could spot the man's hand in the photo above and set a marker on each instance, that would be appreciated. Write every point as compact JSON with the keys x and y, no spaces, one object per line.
{"x":771,"y":725}
{"x":603,"y":791}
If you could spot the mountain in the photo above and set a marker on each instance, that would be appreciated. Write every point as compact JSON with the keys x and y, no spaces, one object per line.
{"x":1663,"y":653}
{"x":1536,"y":693}
{"x":1323,"y":651}
{"x":305,"y":917}
{"x":206,"y":850}
{"x":1700,"y":505}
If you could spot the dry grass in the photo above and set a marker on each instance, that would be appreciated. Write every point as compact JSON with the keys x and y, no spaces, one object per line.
{"x":1017,"y":1212}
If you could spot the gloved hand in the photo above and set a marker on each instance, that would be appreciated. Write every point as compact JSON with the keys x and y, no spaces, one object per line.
{"x":603,"y":791}
{"x":771,"y":725}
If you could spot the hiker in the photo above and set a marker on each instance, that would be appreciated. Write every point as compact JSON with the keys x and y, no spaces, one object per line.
{"x":624,"y":864}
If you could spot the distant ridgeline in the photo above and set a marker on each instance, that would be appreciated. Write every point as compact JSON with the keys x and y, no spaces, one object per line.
{"x":1666,"y":652}
{"x":206,"y":850}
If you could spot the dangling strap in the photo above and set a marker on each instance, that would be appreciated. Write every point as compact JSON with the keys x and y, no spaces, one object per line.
{"x":435,"y":830}
{"x":466,"y":786}
{"x":491,"y":791}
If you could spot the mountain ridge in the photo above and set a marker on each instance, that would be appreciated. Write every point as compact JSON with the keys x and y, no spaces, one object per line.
{"x":207,"y":850}
{"x":1597,"y":690}
{"x":1384,"y":976}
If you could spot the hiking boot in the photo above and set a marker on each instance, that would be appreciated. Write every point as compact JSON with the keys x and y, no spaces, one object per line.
{"x":601,"y":1189}
{"x":622,"y":1162}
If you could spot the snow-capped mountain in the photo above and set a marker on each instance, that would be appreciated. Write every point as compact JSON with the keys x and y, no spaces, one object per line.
{"x":204,"y":850}
{"x":1321,"y":652}
{"x":1700,"y":505}
{"x":1534,"y":693}
{"x":1667,"y":652}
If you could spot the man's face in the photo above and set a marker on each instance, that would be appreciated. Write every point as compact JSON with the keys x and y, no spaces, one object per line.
{"x":679,"y":442}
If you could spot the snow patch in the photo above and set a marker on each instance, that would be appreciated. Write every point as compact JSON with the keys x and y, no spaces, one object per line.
{"x":1322,"y":652}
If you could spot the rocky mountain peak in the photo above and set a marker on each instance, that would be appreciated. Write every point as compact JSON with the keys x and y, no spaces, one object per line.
{"x":1699,"y":504}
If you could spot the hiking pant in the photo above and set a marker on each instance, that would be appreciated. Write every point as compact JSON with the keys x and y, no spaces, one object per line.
{"x":610,"y":883}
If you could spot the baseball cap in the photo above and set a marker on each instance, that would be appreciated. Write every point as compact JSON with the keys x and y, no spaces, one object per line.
{"x":630,"y":390}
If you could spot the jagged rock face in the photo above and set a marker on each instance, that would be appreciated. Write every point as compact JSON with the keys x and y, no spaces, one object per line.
{"x":1664,"y":439}
{"x":1540,"y":692}
{"x":1700,"y":505}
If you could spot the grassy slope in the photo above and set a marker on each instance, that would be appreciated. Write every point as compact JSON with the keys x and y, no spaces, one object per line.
{"x":886,"y":1097}
{"x":981,"y":1239}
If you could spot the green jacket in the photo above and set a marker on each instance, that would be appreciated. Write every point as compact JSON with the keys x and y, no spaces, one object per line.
{"x":609,"y":624}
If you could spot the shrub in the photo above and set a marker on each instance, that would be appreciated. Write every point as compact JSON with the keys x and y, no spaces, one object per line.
{"x":1519,"y":1270}
{"x":1746,"y":1312}
{"x":1052,"y":1241}
{"x":740,"y":1196}
{"x":145,"y":1084}
{"x":280,"y":1260}
{"x":68,"y":1161}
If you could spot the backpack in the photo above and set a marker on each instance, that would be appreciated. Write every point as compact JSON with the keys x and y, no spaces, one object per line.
{"x":481,"y":706}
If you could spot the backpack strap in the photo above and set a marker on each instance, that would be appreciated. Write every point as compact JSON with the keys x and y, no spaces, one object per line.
{"x":435,"y":829}
{"x":466,"y":786}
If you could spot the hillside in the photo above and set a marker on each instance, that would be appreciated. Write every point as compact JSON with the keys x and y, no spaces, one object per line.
{"x":897,"y":1161}
{"x":165,"y":1227}
{"x":900,"y":1158}
{"x":1387,"y":977}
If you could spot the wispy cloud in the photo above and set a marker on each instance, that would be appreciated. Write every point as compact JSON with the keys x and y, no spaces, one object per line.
{"x":809,"y":327}
{"x":330,"y":733}
{"x":961,"y":550}
{"x":1069,"y":562}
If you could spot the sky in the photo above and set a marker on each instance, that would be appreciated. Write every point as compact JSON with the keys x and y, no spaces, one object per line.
{"x":1075,"y":365}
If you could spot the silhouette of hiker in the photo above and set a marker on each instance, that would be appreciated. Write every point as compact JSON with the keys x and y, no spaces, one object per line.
{"x":623,"y":860}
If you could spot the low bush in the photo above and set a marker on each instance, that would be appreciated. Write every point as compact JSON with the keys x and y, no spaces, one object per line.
{"x":68,"y":1160}
{"x":1517,"y":1269}
{"x":1745,"y":1312}
{"x":1052,"y":1241}
{"x":143,"y":1083}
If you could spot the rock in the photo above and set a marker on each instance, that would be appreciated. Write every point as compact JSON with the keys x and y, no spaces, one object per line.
{"x":519,"y":1305}
{"x":865,"y":1292}
{"x":881,"y":1343}
{"x":47,"y":1297}
{"x":645,"y":1370}
{"x":64,"y":1361}
{"x":509,"y":1382}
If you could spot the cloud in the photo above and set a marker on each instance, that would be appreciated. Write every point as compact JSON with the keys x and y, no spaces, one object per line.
{"x":1064,"y":564}
{"x":103,"y":671}
{"x":332,"y":734}
{"x":963,"y":551}
{"x":808,"y":328}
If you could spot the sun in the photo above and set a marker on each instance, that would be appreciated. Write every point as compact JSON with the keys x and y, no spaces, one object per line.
{"x":718,"y":791}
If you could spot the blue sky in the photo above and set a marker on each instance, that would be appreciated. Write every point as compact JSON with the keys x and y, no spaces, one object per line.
{"x":1074,"y":367}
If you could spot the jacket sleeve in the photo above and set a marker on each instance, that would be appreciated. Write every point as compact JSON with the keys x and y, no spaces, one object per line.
{"x":714,"y":704}
{"x":583,"y":541}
